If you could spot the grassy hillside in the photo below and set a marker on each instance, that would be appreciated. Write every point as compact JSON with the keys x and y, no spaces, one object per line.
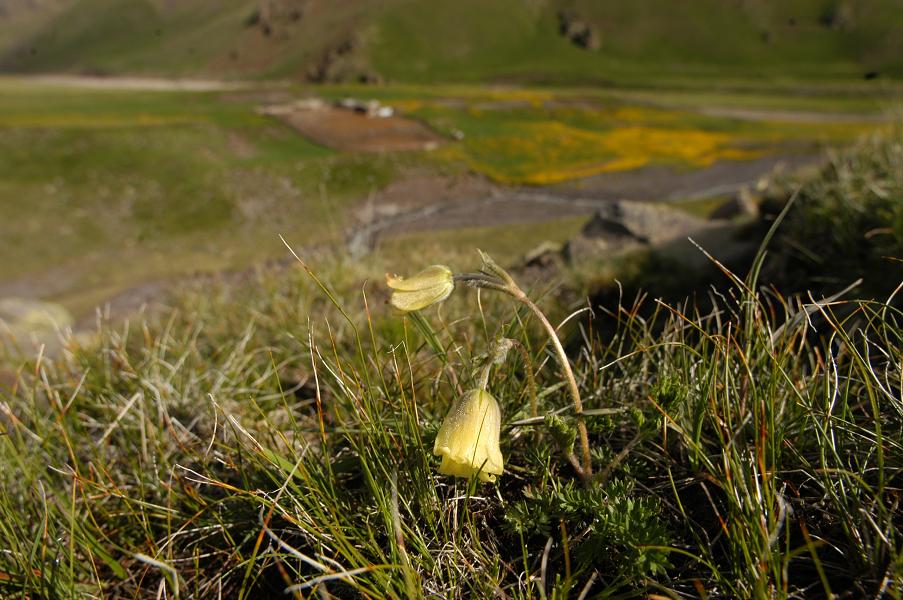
{"x":279,"y":436}
{"x":416,"y":40}
{"x":105,"y":190}
{"x":100,"y":36}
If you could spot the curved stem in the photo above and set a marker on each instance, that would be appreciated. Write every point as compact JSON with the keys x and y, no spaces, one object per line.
{"x":493,"y":277}
{"x":587,"y":470}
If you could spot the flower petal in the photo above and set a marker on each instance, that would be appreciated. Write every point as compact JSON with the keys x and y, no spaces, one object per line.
{"x":468,"y":440}
{"x":435,"y":275}
{"x":433,"y":284}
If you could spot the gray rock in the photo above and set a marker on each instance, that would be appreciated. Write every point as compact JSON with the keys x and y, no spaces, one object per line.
{"x":625,"y":226}
{"x":578,"y":31}
{"x":610,"y":225}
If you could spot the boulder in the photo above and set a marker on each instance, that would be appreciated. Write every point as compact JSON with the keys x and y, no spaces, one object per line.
{"x":578,"y":31}
{"x":624,"y":226}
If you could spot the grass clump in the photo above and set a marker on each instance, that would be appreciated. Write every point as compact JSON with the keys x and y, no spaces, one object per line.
{"x":848,"y":217}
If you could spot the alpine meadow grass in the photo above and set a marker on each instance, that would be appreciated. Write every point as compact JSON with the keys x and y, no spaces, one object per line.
{"x":275,"y":438}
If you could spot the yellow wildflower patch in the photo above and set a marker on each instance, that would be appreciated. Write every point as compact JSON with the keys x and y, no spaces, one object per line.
{"x":408,"y":105}
{"x":535,"y":98}
{"x":551,"y":152}
{"x":642,"y":114}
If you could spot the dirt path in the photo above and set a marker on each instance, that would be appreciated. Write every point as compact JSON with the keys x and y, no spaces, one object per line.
{"x":147,"y":84}
{"x":791,"y":116}
{"x":473,"y":202}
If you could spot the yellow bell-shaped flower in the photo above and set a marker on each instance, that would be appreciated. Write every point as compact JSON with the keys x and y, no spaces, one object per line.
{"x":468,"y":440}
{"x":433,"y":284}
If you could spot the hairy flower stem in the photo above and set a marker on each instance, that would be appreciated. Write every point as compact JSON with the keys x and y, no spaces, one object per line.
{"x":497,"y":354}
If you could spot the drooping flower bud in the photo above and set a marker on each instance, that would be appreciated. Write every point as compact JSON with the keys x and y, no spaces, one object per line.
{"x":433,"y":284}
{"x":468,"y":440}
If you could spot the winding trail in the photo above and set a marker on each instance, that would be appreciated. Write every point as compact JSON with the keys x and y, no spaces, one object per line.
{"x":489,"y":205}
